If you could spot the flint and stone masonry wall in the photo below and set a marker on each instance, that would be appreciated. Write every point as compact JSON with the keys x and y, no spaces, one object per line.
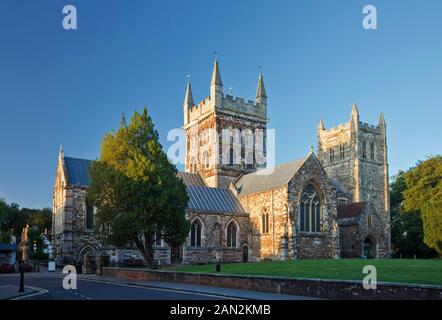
{"x":329,"y":289}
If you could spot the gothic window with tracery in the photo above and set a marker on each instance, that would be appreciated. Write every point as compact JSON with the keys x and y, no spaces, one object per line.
{"x":231,"y":235}
{"x":195,"y":233}
{"x":310,"y":210}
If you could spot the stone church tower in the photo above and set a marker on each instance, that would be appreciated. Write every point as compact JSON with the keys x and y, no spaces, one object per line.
{"x":355,"y":154}
{"x":223,"y":132}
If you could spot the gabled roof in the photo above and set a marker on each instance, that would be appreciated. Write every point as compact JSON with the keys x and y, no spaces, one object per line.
{"x":77,"y":171}
{"x":268,"y":179}
{"x":205,"y":199}
{"x":338,"y":186}
{"x":351,"y":210}
{"x":192,"y":179}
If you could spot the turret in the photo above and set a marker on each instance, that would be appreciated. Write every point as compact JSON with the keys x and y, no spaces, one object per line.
{"x":381,"y":120}
{"x":261,"y":96}
{"x":321,"y":126}
{"x":216,"y":85}
{"x":188,"y":102}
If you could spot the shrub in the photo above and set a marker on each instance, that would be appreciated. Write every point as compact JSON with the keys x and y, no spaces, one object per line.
{"x":7,"y":268}
{"x":27,"y":267}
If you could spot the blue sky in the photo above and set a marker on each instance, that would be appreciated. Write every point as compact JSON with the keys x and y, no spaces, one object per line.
{"x":70,"y":87}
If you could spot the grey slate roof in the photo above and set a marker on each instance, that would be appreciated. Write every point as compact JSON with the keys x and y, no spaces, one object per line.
{"x":208,"y":199}
{"x":192,"y":179}
{"x":260,"y":181}
{"x":339,"y":187}
{"x":77,"y":171}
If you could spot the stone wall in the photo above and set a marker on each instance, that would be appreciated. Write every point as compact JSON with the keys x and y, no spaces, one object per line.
{"x":363,"y":169}
{"x":329,"y":289}
{"x":285,"y":240}
{"x":213,"y":238}
{"x":350,"y":241}
{"x":271,"y":245}
{"x":323,"y":244}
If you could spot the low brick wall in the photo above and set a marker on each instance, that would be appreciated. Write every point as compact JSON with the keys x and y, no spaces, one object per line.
{"x":330,"y":289}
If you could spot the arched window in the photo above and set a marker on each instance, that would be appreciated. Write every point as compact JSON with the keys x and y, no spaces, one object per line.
{"x":231,"y":235}
{"x":364,"y":149}
{"x":230,"y":161}
{"x":342,"y":151}
{"x":250,"y":160}
{"x":206,"y":159}
{"x":331,"y":152}
{"x":310,"y":210}
{"x":195,"y":233}
{"x":89,"y":216}
{"x":372,"y":151}
{"x":265,"y":222}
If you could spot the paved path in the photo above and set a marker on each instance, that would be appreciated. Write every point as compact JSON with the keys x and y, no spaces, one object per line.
{"x":11,"y":291}
{"x":92,"y":287}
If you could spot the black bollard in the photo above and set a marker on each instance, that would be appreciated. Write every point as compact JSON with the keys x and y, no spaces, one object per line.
{"x":22,"y":278}
{"x":218,"y":266}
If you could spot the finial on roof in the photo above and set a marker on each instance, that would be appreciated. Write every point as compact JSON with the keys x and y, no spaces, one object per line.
{"x":312,"y":149}
{"x":381,"y":119}
{"x":354,"y":110}
{"x":321,"y":124}
{"x":60,"y":152}
{"x":188,"y":99}
{"x":260,"y":90}
{"x":216,"y":75}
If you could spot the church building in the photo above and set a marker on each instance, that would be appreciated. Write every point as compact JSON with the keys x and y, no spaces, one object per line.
{"x":330,"y":204}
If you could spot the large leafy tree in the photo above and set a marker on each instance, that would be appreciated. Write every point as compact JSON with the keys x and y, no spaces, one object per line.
{"x":424,"y":194}
{"x":406,"y":227}
{"x":136,"y":191}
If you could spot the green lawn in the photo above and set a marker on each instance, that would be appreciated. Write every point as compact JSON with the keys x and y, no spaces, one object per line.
{"x":388,"y":270}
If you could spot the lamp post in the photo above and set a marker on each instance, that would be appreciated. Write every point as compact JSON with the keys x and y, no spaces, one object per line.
{"x":22,"y":277}
{"x":35,"y":251}
{"x":51,"y":263}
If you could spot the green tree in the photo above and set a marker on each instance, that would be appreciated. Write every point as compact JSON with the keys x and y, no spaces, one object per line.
{"x":406,"y":227}
{"x":136,"y":191}
{"x":10,"y":217}
{"x":39,"y":218}
{"x":424,"y":194}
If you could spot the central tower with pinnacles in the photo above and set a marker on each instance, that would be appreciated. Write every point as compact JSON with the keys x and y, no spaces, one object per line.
{"x":204,"y":123}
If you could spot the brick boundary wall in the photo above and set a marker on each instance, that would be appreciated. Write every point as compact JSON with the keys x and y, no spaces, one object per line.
{"x":329,"y":289}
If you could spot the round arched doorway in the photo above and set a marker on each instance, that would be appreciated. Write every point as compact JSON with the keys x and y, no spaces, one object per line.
{"x":369,"y":248}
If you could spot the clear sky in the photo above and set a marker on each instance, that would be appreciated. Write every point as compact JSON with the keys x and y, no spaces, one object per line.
{"x":70,"y":86}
